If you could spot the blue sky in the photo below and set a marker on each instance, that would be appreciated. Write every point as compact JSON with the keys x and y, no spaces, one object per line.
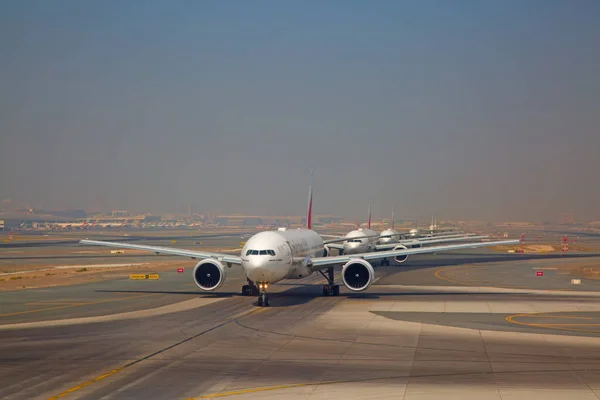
{"x":469,"y":109}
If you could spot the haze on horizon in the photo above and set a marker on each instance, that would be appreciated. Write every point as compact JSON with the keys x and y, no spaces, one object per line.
{"x":467,"y":109}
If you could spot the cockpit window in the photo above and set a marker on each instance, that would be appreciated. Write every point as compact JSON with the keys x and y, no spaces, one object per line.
{"x":260,"y":252}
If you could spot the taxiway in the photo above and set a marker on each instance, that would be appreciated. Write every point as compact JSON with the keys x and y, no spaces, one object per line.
{"x":471,"y":325}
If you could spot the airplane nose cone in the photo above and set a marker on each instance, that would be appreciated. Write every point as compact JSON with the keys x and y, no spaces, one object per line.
{"x":350,"y":248}
{"x":261,"y":270}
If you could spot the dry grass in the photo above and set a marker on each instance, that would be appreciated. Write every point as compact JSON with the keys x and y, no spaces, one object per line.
{"x":77,"y":275}
{"x":535,"y":248}
{"x":587,"y":271}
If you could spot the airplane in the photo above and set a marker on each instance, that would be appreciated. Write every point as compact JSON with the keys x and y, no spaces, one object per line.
{"x":272,"y":256}
{"x":363,"y":240}
{"x":391,"y":235}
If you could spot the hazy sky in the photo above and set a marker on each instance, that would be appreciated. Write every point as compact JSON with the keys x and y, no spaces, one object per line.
{"x":470,"y":109}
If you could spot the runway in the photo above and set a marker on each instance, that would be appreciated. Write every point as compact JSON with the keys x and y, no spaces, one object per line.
{"x":443,"y":326}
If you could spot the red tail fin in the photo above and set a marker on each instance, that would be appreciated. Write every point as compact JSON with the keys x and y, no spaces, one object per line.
{"x":309,"y":211}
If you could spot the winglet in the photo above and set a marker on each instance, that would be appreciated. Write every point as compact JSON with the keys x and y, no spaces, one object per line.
{"x":309,"y":211}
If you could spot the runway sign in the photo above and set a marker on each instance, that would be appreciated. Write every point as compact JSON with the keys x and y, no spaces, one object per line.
{"x":180,"y":270}
{"x":539,"y":273}
{"x":139,"y":277}
{"x":576,"y":281}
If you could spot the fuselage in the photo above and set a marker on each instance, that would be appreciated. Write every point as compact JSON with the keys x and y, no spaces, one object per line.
{"x":389,"y":236}
{"x":269,"y":256}
{"x":360,"y":241}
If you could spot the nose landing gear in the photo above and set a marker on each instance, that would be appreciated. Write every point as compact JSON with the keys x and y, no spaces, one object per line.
{"x":263,"y":298}
{"x":331,"y":289}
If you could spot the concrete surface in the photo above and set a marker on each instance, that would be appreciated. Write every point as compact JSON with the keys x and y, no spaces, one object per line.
{"x":413,"y":335}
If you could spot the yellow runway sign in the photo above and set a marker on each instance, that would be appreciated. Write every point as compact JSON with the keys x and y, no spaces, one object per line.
{"x":142,"y":276}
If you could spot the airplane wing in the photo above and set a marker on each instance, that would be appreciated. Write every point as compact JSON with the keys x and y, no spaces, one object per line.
{"x":389,"y":246}
{"x":227,"y":258}
{"x":322,"y":262}
{"x":343,"y":239}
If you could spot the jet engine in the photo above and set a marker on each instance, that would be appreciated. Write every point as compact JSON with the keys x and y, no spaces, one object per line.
{"x":326,"y":251}
{"x":358,"y":274}
{"x":209,"y":274}
{"x":400,"y":259}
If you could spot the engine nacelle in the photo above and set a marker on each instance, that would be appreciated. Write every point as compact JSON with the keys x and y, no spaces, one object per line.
{"x":209,"y":274}
{"x":358,"y":274}
{"x":401,"y":259}
{"x":326,"y":251}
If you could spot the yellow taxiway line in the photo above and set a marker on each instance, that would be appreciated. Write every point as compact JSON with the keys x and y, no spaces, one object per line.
{"x":556,"y":326}
{"x":119,"y":369}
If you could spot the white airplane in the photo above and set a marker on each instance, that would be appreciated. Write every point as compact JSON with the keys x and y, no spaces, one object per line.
{"x":272,"y":256}
{"x":367,"y":240}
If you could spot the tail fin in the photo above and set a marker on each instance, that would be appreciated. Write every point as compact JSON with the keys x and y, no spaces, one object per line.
{"x":392,"y":217}
{"x":369,"y":220}
{"x":309,"y":211}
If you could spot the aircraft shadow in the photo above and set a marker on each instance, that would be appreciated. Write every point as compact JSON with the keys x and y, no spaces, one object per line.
{"x":308,"y":293}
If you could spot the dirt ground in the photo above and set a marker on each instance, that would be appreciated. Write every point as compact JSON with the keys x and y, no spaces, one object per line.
{"x":585,"y":270}
{"x":71,"y":276}
{"x":46,"y":274}
{"x":546,"y":248}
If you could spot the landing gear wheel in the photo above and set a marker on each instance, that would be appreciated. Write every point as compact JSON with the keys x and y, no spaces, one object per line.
{"x":263,"y":297}
{"x":263,"y":300}
{"x":246,"y":290}
{"x":331,"y":290}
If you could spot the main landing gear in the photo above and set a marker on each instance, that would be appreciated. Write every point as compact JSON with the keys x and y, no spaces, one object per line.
{"x":261,"y":291}
{"x":331,"y":289}
{"x":250,"y":289}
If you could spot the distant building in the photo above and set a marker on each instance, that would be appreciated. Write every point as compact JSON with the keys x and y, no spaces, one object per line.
{"x":238,"y":220}
{"x":119,"y":213}
{"x":328,"y":219}
{"x":1,"y":224}
{"x":69,"y":214}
